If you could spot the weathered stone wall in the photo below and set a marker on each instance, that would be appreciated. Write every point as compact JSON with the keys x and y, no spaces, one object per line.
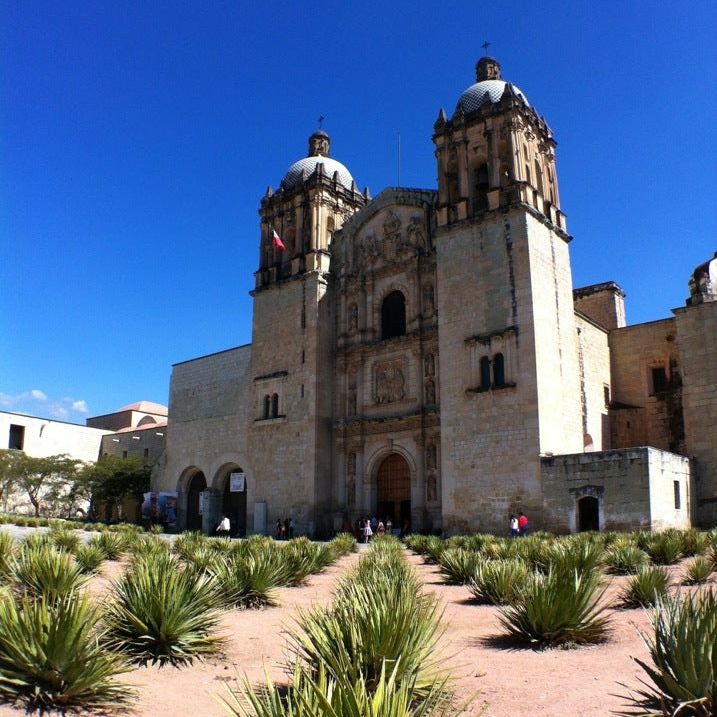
{"x":206,"y":432}
{"x":503,"y":287}
{"x":147,"y":443}
{"x":697,"y":340}
{"x":602,"y":303}
{"x":641,"y":412}
{"x":635,"y":489}
{"x":594,"y":369}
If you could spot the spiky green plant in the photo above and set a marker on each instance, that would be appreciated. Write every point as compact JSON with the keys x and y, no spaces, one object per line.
{"x":65,"y":539}
{"x":683,"y":648}
{"x":458,"y":565}
{"x":156,"y":529}
{"x":434,"y":547}
{"x":698,"y":571}
{"x":187,"y":543}
{"x":649,"y":584}
{"x":694,"y":542}
{"x":501,"y":582}
{"x":8,"y":549}
{"x":48,"y":573}
{"x":344,"y":544}
{"x":664,"y":548}
{"x":379,"y":615}
{"x":625,"y":558}
{"x":163,"y":612}
{"x":112,"y":544}
{"x":322,"y":695}
{"x":577,"y":555}
{"x":89,"y":558}
{"x":36,"y":541}
{"x":50,"y":656}
{"x":303,"y":558}
{"x":250,"y":581}
{"x":147,"y":545}
{"x":559,"y":609}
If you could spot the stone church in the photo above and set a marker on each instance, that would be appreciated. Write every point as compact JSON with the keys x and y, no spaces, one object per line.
{"x":423,"y":356}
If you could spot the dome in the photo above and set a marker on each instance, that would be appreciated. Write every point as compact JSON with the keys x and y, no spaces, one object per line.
{"x":308,"y":166}
{"x":475,"y":95}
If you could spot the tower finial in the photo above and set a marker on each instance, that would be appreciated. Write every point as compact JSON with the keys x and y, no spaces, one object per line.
{"x":485,"y":46}
{"x":321,"y":121}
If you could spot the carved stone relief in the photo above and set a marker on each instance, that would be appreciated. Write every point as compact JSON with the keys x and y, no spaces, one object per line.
{"x":353,"y":317}
{"x":389,"y":383}
{"x":431,"y":489}
{"x":431,"y":457}
{"x":429,"y":365}
{"x":429,"y":300}
{"x":430,"y":392}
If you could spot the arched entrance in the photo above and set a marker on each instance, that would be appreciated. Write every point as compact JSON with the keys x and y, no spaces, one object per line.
{"x":197,"y":484}
{"x":588,"y":513}
{"x":234,"y":502}
{"x":394,"y":491}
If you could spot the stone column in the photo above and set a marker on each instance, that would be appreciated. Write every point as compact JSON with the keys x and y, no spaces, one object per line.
{"x":212,"y":510}
{"x":418,"y":493}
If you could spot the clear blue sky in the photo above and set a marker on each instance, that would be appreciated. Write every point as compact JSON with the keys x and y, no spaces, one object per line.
{"x":136,"y":140}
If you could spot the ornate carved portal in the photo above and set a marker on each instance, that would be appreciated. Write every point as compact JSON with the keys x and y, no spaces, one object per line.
{"x":394,"y":491}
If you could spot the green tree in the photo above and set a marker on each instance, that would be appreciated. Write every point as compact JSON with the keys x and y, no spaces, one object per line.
{"x":44,"y":480}
{"x":112,"y":479}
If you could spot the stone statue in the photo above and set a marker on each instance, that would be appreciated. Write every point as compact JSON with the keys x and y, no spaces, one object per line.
{"x":390,"y":385}
{"x":417,"y":234}
{"x":431,"y":489}
{"x":353,"y":317}
{"x":430,"y":392}
{"x":429,"y":365}
{"x":430,"y":457}
{"x":703,"y":282}
{"x":351,"y":464}
{"x":429,"y":307}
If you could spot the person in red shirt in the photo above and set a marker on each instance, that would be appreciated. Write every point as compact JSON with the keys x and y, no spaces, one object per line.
{"x":522,"y":524}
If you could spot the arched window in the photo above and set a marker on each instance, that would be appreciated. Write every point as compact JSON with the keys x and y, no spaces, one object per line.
{"x":267,"y":406}
{"x":498,"y":370}
{"x":393,"y":315}
{"x":275,"y":405}
{"x":485,"y":372}
{"x":538,"y":177}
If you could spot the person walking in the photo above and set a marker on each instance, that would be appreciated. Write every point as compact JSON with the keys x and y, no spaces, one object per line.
{"x":514,"y":529}
{"x":367,"y":532}
{"x":291,"y":528}
{"x":224,"y":527}
{"x":522,"y":524}
{"x":381,"y":528}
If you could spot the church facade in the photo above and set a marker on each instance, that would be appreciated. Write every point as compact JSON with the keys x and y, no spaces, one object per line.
{"x":423,"y":356}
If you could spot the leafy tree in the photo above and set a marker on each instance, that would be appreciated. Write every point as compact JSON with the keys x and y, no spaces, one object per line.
{"x":44,"y":480}
{"x":113,"y":479}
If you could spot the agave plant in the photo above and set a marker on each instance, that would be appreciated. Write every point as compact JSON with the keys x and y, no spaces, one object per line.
{"x":7,"y":553}
{"x":571,"y":556}
{"x":65,"y":539}
{"x":664,"y":548}
{"x":344,"y":544}
{"x":321,"y":695}
{"x":694,"y":542}
{"x":559,"y":609}
{"x":113,"y":545}
{"x":625,"y":558}
{"x":501,"y":582}
{"x":50,"y":656}
{"x":303,"y":558}
{"x":89,"y":558}
{"x":643,"y":589}
{"x":187,"y":543}
{"x":48,"y":573}
{"x":698,"y":572}
{"x":683,"y":648}
{"x":372,"y":623}
{"x":36,"y":541}
{"x":163,"y":612}
{"x":458,"y":565}
{"x":249,"y":581}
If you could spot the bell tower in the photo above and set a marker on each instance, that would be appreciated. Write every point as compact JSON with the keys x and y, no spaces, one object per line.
{"x":495,"y":151}
{"x":313,"y":200}
{"x":289,"y":424}
{"x":509,"y":366}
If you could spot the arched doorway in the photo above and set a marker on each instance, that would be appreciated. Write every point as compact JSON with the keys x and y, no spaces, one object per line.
{"x":234,"y":502}
{"x":197,"y":484}
{"x":394,"y":491}
{"x":588,"y":513}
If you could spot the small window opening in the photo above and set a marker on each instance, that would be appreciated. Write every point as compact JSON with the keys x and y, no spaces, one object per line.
{"x":393,"y":315}
{"x":124,"y":454}
{"x":498,"y":370}
{"x":146,"y":452}
{"x":659,"y":379}
{"x":267,"y":406}
{"x":485,"y":372}
{"x":606,"y":395}
{"x":678,"y":497}
{"x":302,"y":390}
{"x":275,"y":405}
{"x":17,"y":437}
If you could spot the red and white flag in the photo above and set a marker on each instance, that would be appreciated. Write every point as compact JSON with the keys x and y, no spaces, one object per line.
{"x":276,"y":240}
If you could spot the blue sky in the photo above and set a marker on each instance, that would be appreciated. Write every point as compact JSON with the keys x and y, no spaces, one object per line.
{"x":136,"y":140}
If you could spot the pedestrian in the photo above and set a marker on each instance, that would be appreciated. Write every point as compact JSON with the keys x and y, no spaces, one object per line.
{"x":389,"y":526}
{"x":224,"y":527}
{"x":367,"y":532}
{"x":513,"y":526}
{"x":279,"y":528}
{"x":286,"y":528}
{"x":522,"y":524}
{"x":291,"y":528}
{"x":381,"y":528}
{"x":374,"y":523}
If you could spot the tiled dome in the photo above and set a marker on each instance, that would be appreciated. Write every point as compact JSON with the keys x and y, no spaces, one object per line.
{"x":308,"y":166}
{"x":474,"y":96}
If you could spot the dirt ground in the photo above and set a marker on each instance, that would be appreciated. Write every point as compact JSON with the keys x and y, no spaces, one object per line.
{"x":580,"y":682}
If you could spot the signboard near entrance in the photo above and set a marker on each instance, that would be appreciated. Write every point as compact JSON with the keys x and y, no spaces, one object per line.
{"x":237,"y":482}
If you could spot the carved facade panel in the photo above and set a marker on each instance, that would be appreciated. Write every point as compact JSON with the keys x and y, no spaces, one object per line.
{"x":389,"y":382}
